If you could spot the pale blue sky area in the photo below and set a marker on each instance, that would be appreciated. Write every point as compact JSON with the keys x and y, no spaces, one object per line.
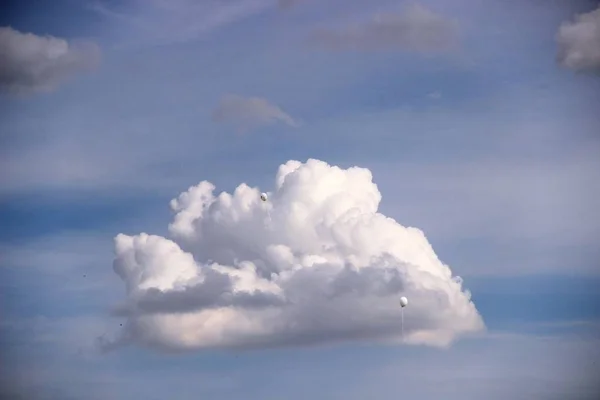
{"x":491,"y":148}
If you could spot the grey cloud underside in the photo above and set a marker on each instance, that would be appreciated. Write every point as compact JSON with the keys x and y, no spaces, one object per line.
{"x":320,"y":283}
{"x":579,"y":43}
{"x":320,"y":307}
{"x":31,"y":63}
{"x":416,"y":29}
{"x":316,"y":264}
{"x":215,"y":292}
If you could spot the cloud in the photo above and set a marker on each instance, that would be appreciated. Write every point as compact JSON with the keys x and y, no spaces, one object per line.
{"x":287,"y":4}
{"x":496,"y":366}
{"x":249,"y":112}
{"x":579,"y":43}
{"x":31,"y":63}
{"x":493,"y":367}
{"x":72,"y":334}
{"x":175,"y":21}
{"x":314,"y":264}
{"x":416,"y":29}
{"x":61,"y":253}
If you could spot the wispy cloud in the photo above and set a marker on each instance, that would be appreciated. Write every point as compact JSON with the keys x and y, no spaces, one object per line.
{"x":511,"y":374}
{"x":500,"y":183}
{"x":496,"y":366}
{"x":287,"y":4}
{"x":247,"y":113}
{"x":66,"y":253}
{"x":30,"y":63}
{"x":164,"y":22}
{"x":415,"y":29}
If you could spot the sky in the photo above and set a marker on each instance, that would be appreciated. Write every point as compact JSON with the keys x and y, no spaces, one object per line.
{"x":442,"y":151}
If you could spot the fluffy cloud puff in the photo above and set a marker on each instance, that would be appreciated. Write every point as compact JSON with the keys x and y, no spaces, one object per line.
{"x":31,"y":63}
{"x":314,"y":264}
{"x":415,"y":29}
{"x":579,"y":43}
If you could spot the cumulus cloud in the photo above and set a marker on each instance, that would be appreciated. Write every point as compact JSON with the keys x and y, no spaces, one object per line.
{"x":31,"y":63}
{"x":249,"y":112}
{"x":579,"y":43}
{"x":415,"y":29}
{"x":314,"y":264}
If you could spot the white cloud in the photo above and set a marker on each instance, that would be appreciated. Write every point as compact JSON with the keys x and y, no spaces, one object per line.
{"x":249,"y":112}
{"x":31,"y":63}
{"x":315,"y":264}
{"x":579,"y":42}
{"x":415,"y":29}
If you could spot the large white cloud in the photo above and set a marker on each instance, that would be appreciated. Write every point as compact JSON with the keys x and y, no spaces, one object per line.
{"x":314,"y":264}
{"x":579,"y":42}
{"x":31,"y":63}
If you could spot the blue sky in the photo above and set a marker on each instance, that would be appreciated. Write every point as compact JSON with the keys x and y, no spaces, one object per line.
{"x":491,"y":148}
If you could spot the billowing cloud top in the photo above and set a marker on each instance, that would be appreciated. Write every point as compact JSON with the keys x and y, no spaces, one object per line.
{"x":415,"y":29}
{"x":579,"y":43}
{"x":314,"y":264}
{"x":31,"y":63}
{"x":249,"y":112}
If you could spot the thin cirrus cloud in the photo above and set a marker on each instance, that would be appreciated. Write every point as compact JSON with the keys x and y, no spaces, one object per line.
{"x":315,"y":264}
{"x":247,"y":113}
{"x":579,"y":43}
{"x":416,"y":29}
{"x":175,"y":21}
{"x":30,"y":63}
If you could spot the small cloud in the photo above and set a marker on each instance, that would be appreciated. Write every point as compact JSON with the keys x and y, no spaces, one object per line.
{"x":435,"y":95}
{"x":31,"y":63}
{"x":579,"y":43}
{"x":416,"y":29}
{"x":249,"y":112}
